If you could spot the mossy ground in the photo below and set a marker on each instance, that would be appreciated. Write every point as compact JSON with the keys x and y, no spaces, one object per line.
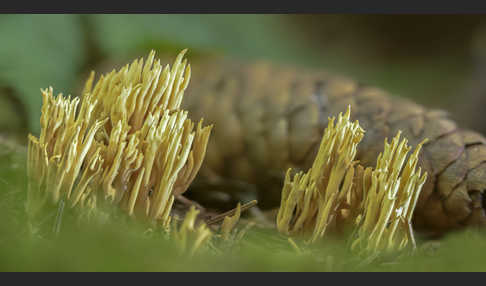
{"x":123,"y":245}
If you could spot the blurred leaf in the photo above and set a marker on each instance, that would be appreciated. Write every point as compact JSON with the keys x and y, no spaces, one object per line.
{"x":244,"y":36}
{"x":39,"y":51}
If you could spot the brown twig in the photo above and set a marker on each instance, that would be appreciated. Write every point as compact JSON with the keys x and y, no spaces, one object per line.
{"x":221,"y":217}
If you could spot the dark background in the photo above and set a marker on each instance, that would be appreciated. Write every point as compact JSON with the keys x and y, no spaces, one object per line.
{"x":438,"y":60}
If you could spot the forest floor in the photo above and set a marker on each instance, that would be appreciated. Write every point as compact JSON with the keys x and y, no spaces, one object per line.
{"x":122,"y":245}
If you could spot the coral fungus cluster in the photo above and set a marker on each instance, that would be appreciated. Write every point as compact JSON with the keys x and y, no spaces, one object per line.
{"x":126,"y":141}
{"x":312,"y":201}
{"x":337,"y":191}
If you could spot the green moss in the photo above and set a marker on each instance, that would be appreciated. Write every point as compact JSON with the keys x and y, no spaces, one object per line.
{"x":121,"y":245}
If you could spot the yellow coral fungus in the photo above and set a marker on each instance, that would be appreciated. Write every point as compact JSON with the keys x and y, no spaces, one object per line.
{"x":229,"y":222}
{"x":337,"y":191}
{"x":128,"y":141}
{"x":392,"y":191}
{"x":312,"y":201}
{"x":187,"y":236}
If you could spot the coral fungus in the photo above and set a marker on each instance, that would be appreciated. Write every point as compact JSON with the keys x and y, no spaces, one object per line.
{"x":338,"y":191}
{"x":126,"y":141}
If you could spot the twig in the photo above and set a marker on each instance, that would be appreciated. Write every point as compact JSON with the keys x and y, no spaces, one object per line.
{"x":221,"y":217}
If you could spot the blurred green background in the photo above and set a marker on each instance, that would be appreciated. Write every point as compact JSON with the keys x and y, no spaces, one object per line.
{"x":438,"y":60}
